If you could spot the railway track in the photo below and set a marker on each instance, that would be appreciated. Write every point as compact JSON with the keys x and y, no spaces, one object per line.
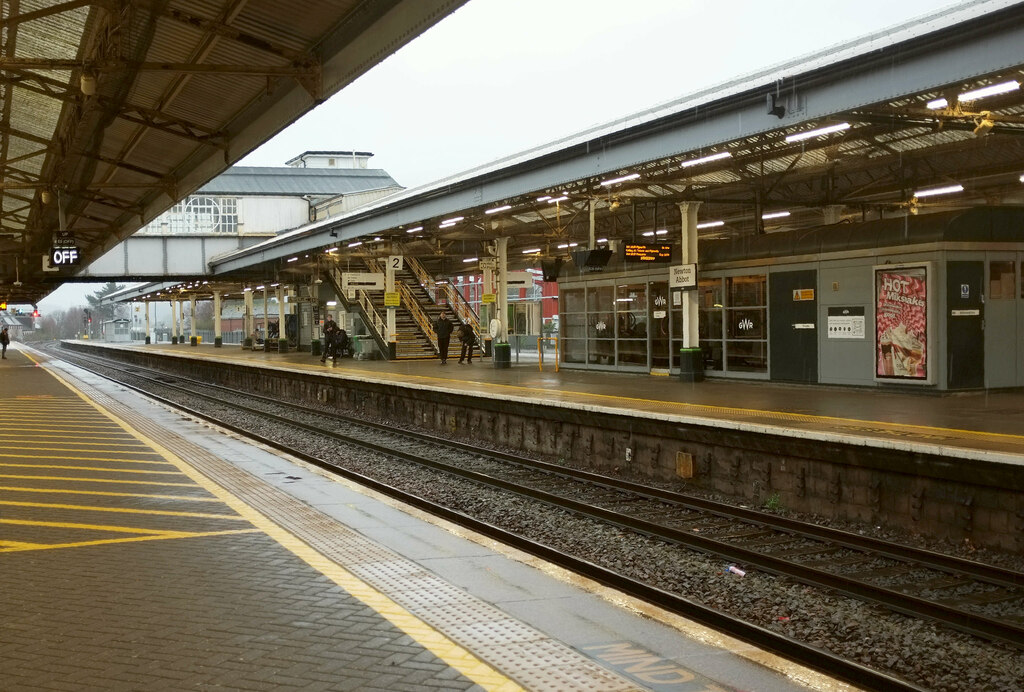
{"x":956,"y":592}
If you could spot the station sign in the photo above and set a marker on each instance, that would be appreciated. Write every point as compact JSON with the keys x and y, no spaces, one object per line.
{"x":362,"y":281}
{"x":396,"y":262}
{"x":683,"y":276}
{"x":392,"y":300}
{"x":519,"y":280}
{"x":487,"y":299}
{"x":64,"y":239}
{"x":488,"y":263}
{"x":643,"y":252}
{"x":64,"y":256}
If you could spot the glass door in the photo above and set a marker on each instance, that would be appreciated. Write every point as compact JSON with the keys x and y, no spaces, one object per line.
{"x":658,"y":310}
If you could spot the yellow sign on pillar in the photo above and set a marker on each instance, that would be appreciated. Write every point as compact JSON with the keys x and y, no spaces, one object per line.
{"x":392,"y":300}
{"x":487,"y":299}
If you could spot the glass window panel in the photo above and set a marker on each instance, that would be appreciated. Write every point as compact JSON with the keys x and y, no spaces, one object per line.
{"x":632,"y":352}
{"x":601,"y":325}
{"x":601,"y":299}
{"x":602,"y":351}
{"x":1002,"y":280}
{"x":709,"y":324}
{"x":747,"y":291}
{"x":712,"y":354}
{"x":574,"y":350}
{"x":709,"y":293}
{"x":572,"y":300}
{"x":747,"y":324}
{"x":747,"y":356}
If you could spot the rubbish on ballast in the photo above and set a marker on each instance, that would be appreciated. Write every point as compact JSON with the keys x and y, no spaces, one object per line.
{"x":783,"y":618}
{"x":736,"y":570}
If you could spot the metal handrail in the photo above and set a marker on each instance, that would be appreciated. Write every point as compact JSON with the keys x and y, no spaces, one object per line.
{"x":540,"y":352}
{"x":378,"y":324}
{"x":422,"y":319}
{"x":456,"y":302}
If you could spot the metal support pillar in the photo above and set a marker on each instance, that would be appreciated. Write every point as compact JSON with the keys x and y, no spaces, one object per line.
{"x":282,"y":339}
{"x":218,"y":341}
{"x":147,"y":322}
{"x":502,"y":297}
{"x":248,"y":322}
{"x":593,"y":225}
{"x":192,"y":321}
{"x":688,"y":212}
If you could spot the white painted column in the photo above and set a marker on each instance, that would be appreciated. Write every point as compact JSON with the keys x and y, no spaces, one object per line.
{"x":147,"y":323}
{"x":280,"y":313}
{"x":266,"y":319}
{"x":502,"y":297}
{"x":174,"y":322}
{"x":593,"y":225}
{"x":192,"y":316}
{"x":691,"y":314}
{"x":249,"y":327}
{"x":217,"y":339}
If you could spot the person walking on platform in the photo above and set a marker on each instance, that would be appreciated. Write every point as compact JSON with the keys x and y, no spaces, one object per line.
{"x":443,"y":328}
{"x":330,"y":340}
{"x":468,"y":338}
{"x":5,"y":339}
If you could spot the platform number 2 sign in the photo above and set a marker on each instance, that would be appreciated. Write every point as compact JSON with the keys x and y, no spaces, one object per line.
{"x":395,"y":262}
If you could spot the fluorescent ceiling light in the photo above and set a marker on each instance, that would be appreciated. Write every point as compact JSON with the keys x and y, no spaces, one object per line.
{"x":274,"y":285}
{"x":661,"y":232}
{"x":615,"y":181}
{"x":949,"y":189}
{"x":293,"y":259}
{"x":470,"y":259}
{"x":331,"y":303}
{"x":246,"y":289}
{"x":800,"y":136}
{"x":413,"y":230}
{"x":936,"y":104}
{"x":356,"y":244}
{"x":711,"y":224}
{"x":330,"y":250}
{"x":705,"y":159}
{"x":447,"y":225}
{"x":573,"y":244}
{"x":260,"y":288}
{"x":601,"y":240}
{"x":531,"y":251}
{"x":1022,"y":178}
{"x":648,"y":233}
{"x":774,"y":215}
{"x":497,"y":209}
{"x":454,"y":219}
{"x":544,"y":198}
{"x":623,"y":300}
{"x":558,"y":199}
{"x":989,"y":91}
{"x":563,"y":246}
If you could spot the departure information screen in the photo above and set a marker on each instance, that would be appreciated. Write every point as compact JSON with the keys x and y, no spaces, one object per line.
{"x":642,"y":252}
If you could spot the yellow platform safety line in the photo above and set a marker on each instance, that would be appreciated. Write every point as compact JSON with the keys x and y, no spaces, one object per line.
{"x":70,"y":458}
{"x":123,"y":510}
{"x":7,"y":464}
{"x":74,"y":444}
{"x":15,"y":435}
{"x":8,"y":439}
{"x":145,"y":496}
{"x":431,"y":639}
{"x":56,"y":426}
{"x":71,"y":479}
{"x":14,"y":547}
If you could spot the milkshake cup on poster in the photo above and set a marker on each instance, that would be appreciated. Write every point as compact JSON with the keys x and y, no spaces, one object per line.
{"x":886,"y":344}
{"x":907,"y":351}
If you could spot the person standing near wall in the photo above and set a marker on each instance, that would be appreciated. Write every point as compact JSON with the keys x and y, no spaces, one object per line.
{"x":5,"y":339}
{"x":443,"y":328}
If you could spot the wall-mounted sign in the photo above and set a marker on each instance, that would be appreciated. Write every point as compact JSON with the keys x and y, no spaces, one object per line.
{"x":519,"y":280}
{"x":392,"y":300}
{"x":642,"y":252}
{"x":396,"y":262}
{"x":901,"y":322}
{"x":683,"y":276}
{"x":846,"y":323}
{"x":488,"y":263}
{"x":487,"y":299}
{"x":64,"y":256}
{"x":800,"y":294}
{"x":365,"y":281}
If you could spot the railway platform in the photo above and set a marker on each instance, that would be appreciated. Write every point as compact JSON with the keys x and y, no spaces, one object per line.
{"x":140,"y":549}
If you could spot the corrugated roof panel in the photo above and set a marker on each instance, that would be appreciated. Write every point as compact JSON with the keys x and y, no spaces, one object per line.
{"x":210,"y":100}
{"x":294,"y":29}
{"x":253,"y":180}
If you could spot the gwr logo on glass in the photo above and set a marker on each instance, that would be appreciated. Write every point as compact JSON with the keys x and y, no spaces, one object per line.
{"x":746,"y":324}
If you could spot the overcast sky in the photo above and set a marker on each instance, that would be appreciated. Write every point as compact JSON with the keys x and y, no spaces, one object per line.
{"x":501,"y":76}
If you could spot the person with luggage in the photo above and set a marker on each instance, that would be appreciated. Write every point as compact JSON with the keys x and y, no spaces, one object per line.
{"x":443,"y":328}
{"x":330,"y":340}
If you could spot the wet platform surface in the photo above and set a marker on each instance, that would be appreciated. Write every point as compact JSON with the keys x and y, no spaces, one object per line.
{"x":978,"y":425}
{"x":142,"y":550}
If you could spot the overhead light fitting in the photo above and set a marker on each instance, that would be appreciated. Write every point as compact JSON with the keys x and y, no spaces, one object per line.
{"x":330,"y":250}
{"x":558,"y":199}
{"x":293,"y":259}
{"x":497,"y":209}
{"x":931,"y":192}
{"x":414,"y":230}
{"x":616,"y":181}
{"x":447,"y":224}
{"x":1022,"y":178}
{"x":356,"y":244}
{"x":810,"y":134}
{"x":470,"y":259}
{"x":531,"y":251}
{"x":648,"y":233}
{"x":544,"y":198}
{"x":453,"y":220}
{"x":936,"y":104}
{"x":992,"y":90}
{"x":774,"y":215}
{"x":711,"y":224}
{"x":705,"y":159}
{"x":88,"y":83}
{"x":260,"y":288}
{"x":331,"y":303}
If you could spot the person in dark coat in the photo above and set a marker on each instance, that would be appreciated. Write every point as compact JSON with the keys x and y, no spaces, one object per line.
{"x":5,"y":339}
{"x":443,"y":328}
{"x":468,"y":338}
{"x":330,"y":340}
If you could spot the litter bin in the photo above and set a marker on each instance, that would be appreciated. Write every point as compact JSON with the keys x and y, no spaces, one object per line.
{"x":691,"y":365}
{"x":502,"y":355}
{"x":314,"y":347}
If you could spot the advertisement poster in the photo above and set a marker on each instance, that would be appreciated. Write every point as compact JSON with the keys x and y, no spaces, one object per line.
{"x":901,"y":323}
